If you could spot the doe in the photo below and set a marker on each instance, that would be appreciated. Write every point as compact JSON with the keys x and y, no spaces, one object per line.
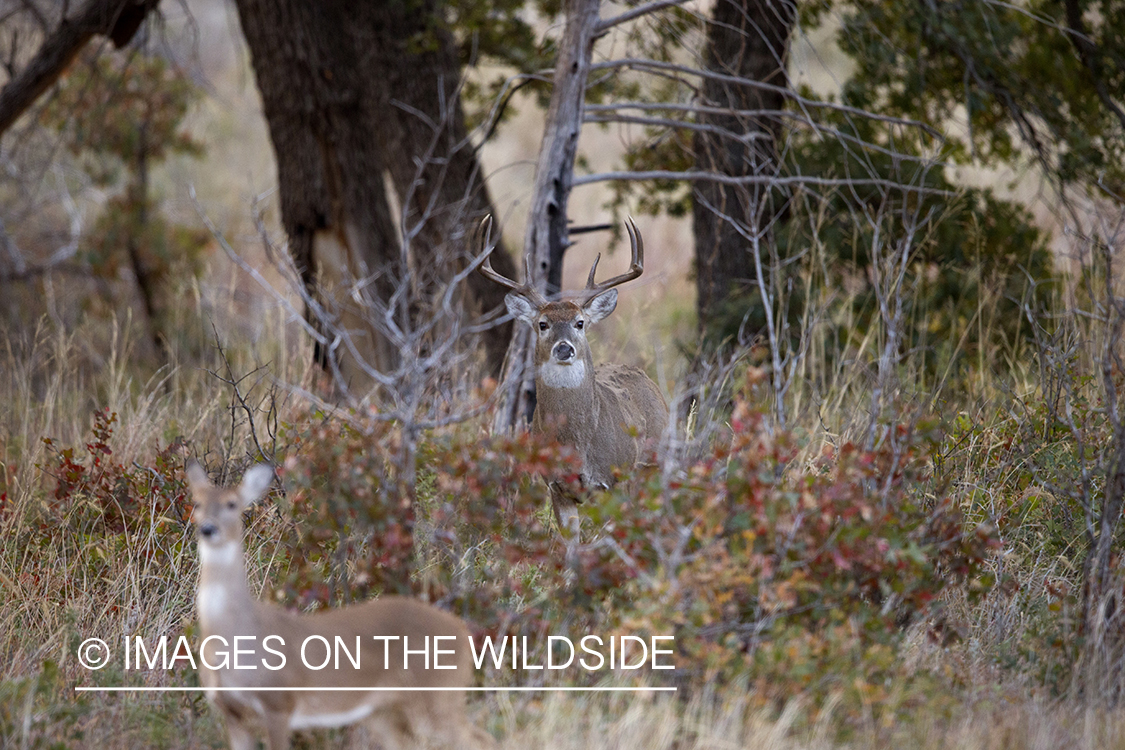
{"x":604,"y":412}
{"x":258,"y":661}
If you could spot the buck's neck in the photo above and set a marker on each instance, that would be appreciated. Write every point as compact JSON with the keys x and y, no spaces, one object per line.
{"x":566,"y":391}
{"x":223,"y":597}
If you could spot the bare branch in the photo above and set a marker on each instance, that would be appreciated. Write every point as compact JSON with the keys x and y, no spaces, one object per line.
{"x":629,"y":15}
{"x":643,"y":64}
{"x":238,"y":260}
{"x":698,"y":109}
{"x":117,"y":19}
{"x":763,"y":179}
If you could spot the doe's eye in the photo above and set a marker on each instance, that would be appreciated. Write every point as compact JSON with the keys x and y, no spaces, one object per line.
{"x":542,"y":325}
{"x":230,"y":504}
{"x":580,"y":324}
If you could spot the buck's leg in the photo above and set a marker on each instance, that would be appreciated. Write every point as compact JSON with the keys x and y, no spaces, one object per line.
{"x":566,"y":510}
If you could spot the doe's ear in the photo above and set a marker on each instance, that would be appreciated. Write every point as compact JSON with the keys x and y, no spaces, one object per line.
{"x":197,"y":477}
{"x":601,"y":306}
{"x":255,"y":482}
{"x":521,"y":308}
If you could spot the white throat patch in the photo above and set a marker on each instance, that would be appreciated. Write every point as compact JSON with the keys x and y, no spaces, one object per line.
{"x":557,"y":375}
{"x":221,"y":555}
{"x":211,"y":603}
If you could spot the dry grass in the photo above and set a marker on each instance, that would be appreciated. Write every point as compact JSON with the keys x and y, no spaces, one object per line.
{"x":49,"y":384}
{"x":51,"y":380}
{"x":723,"y":720}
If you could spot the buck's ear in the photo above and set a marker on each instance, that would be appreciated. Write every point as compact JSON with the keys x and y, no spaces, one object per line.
{"x":197,"y":477}
{"x":255,"y":482}
{"x":520,"y":308}
{"x":601,"y":306}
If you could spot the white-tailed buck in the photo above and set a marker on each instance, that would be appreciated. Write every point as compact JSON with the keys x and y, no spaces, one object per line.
{"x":605,"y":412}
{"x":270,"y":670}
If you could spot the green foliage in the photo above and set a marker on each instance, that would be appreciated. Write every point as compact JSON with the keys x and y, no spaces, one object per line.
{"x":974,"y":260}
{"x":121,"y":115}
{"x":1039,"y":474}
{"x":353,"y":533}
{"x":118,"y":108}
{"x":474,"y":540}
{"x":797,"y":579}
{"x":167,"y":251}
{"x":1017,"y":70}
{"x":500,"y":32}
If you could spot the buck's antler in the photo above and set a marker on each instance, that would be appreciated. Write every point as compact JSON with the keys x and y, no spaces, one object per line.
{"x":482,"y":240}
{"x":636,"y":267}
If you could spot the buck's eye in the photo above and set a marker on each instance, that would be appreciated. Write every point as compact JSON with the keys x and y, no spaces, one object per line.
{"x":542,"y":325}
{"x":580,"y":324}
{"x":230,"y":504}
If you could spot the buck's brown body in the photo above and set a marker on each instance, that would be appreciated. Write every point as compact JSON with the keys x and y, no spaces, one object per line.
{"x":606,"y":417}
{"x":606,"y":412}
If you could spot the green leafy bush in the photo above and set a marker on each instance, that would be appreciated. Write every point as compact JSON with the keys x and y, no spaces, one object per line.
{"x":797,"y":578}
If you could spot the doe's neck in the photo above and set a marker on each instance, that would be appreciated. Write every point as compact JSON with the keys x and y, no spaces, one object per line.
{"x":223,"y":601}
{"x":222,"y":565}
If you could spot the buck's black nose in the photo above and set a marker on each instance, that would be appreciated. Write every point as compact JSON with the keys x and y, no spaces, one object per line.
{"x":208,"y":530}
{"x":563,"y":351}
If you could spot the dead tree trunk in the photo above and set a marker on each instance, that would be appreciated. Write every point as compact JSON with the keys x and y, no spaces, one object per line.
{"x":748,"y":39}
{"x":547,"y":224}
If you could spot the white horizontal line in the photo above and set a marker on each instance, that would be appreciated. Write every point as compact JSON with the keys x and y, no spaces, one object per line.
{"x":132,"y":689}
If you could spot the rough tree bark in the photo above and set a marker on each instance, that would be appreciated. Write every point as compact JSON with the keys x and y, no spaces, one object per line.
{"x":353,"y":92}
{"x":547,"y":237}
{"x":432,"y":164}
{"x":324,"y":125}
{"x":748,"y":39}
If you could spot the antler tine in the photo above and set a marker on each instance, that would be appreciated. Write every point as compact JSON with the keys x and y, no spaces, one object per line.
{"x":636,"y":267}
{"x":482,"y":238}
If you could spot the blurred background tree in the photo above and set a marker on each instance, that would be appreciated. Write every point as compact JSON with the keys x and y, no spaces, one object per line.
{"x":366,"y":110}
{"x":120,"y":114}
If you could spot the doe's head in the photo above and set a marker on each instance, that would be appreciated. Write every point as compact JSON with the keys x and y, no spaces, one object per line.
{"x":218,"y":510}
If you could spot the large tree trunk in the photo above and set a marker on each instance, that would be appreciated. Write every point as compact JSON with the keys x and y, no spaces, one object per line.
{"x":432,"y":163}
{"x":748,"y":39}
{"x":325,"y":126}
{"x":352,"y":92}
